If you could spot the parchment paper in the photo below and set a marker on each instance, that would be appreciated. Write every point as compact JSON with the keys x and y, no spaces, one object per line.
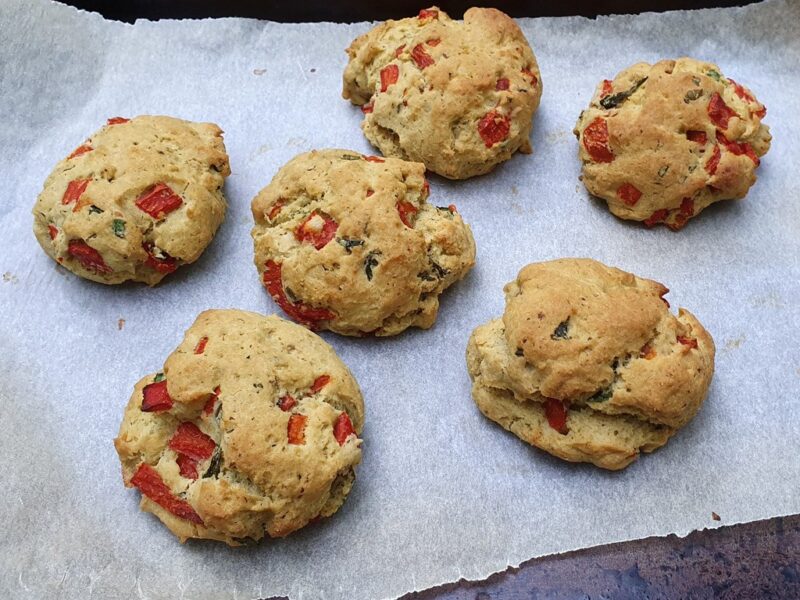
{"x":442,"y":493}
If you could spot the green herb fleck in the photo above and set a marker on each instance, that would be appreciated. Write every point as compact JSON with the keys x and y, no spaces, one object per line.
{"x":371,"y":262}
{"x":258,"y":385}
{"x":118,"y":225}
{"x":95,"y":210}
{"x":692,"y":95}
{"x":614,"y":100}
{"x":663,"y":170}
{"x":440,"y":270}
{"x":601,"y":396}
{"x":350,"y":157}
{"x":696,"y":80}
{"x":519,"y":352}
{"x":714,"y":75}
{"x":158,"y":377}
{"x":560,"y":332}
{"x":214,"y":465}
{"x":349,"y":244}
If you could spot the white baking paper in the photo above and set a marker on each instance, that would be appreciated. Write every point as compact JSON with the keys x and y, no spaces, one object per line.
{"x":442,"y":493}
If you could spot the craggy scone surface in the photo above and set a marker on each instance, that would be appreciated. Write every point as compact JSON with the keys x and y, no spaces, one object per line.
{"x":661,"y":142}
{"x":250,"y":429}
{"x":135,"y":201}
{"x":349,"y":243}
{"x":458,"y":96}
{"x":588,"y":363}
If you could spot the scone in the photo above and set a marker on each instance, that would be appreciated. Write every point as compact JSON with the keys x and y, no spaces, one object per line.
{"x":138,"y":199}
{"x":661,"y":142}
{"x":588,"y":363}
{"x":457,"y":96}
{"x":349,"y":243}
{"x":250,"y":429}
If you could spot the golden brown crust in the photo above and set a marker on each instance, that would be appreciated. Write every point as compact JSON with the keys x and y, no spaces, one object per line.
{"x":375,"y":273}
{"x":450,"y":76}
{"x":602,"y":342}
{"x":264,"y":483}
{"x":679,"y":132}
{"x":121,"y":163}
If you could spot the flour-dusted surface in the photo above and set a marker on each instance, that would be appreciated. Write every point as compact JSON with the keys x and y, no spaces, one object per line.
{"x":442,"y":493}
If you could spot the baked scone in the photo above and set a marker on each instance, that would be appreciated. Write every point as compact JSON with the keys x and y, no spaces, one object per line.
{"x":138,"y":199}
{"x":457,"y":96}
{"x":661,"y":142}
{"x":349,"y":243}
{"x":250,"y":429}
{"x":588,"y":363}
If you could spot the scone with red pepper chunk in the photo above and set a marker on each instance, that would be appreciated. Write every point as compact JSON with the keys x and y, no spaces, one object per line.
{"x":251,"y":429}
{"x":661,"y":142}
{"x":349,"y":243}
{"x":135,"y":201}
{"x":458,"y":96}
{"x":589,"y":364}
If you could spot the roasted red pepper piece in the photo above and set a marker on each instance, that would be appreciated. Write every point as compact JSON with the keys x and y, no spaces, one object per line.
{"x":741,"y":92}
{"x":699,"y":137}
{"x":370,"y":192}
{"x":426,"y":188}
{"x":187,"y":466}
{"x":493,"y":128}
{"x":201,"y":345}
{"x":167,"y":264}
{"x":366,"y":109}
{"x":316,"y":237}
{"x":342,"y":428}
{"x":452,"y":208}
{"x":684,"y":214}
{"x":276,"y":208}
{"x":502,"y":84}
{"x":656,"y":217}
{"x":406,"y":210}
{"x":719,"y":112}
{"x":155,"y":397}
{"x":53,"y":231}
{"x":647,"y":352}
{"x":208,"y":408}
{"x":595,"y":140}
{"x":607,"y":88}
{"x":761,"y":112}
{"x":305,"y":315}
{"x":556,"y":413}
{"x":75,"y":189}
{"x":189,"y":440}
{"x":433,"y":42}
{"x":286,"y":403}
{"x":421,"y":57}
{"x":159,"y":201}
{"x":90,"y":259}
{"x":151,"y":485}
{"x":687,"y":341}
{"x":425,"y":14}
{"x":319,"y":383}
{"x":83,"y":149}
{"x":628,"y":194}
{"x":117,"y":120}
{"x":530,"y":75}
{"x":738,"y":148}
{"x":399,"y":50}
{"x":713,"y":161}
{"x":374,"y":159}
{"x":296,"y":430}
{"x":389,"y":76}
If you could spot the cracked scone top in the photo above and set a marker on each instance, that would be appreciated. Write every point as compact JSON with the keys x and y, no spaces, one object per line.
{"x":661,"y":142}
{"x":135,"y":201}
{"x":457,"y":96}
{"x":588,"y":363}
{"x":251,"y":429}
{"x":349,"y":243}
